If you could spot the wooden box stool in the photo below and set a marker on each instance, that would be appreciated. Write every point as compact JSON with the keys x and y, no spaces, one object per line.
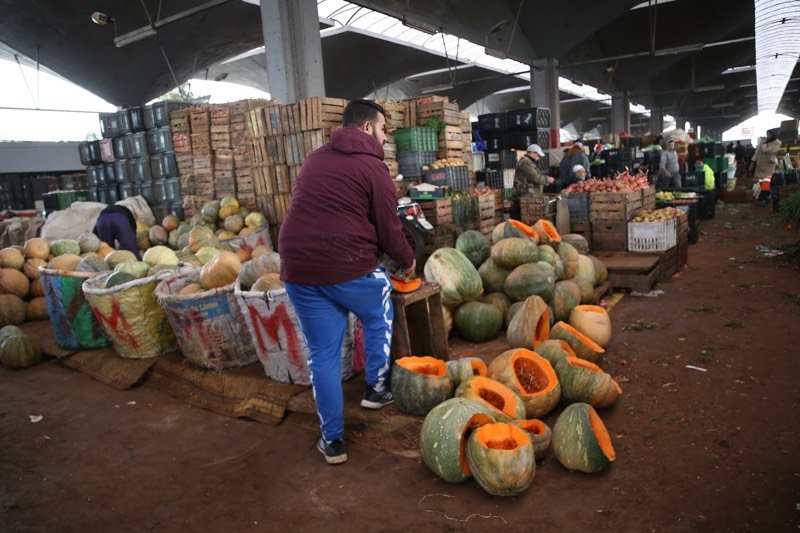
{"x":418,"y":327}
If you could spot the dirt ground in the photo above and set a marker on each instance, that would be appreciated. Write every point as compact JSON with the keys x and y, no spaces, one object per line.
{"x":712,"y":450}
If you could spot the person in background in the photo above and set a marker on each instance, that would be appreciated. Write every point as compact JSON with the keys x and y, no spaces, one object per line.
{"x":527,"y":177}
{"x":343,"y":213}
{"x":730,"y":159}
{"x":764,"y":162}
{"x":574,"y":156}
{"x":738,"y":151}
{"x":116,"y":227}
{"x":480,"y":144}
{"x":708,"y":174}
{"x":669,"y":167}
{"x":577,"y":174}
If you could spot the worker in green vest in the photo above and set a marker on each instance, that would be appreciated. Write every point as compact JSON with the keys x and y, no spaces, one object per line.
{"x":708,"y":172}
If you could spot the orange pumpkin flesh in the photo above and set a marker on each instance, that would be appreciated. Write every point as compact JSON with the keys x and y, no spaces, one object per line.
{"x":601,"y":434}
{"x":588,"y":365}
{"x":532,"y":375}
{"x":542,"y":331}
{"x":523,"y":228}
{"x":477,"y":420}
{"x":549,"y":229}
{"x":429,"y":366}
{"x":533,"y":426}
{"x":567,"y":348}
{"x":583,"y":338}
{"x":406,"y":286}
{"x":495,"y":394}
{"x":502,"y":436}
{"x":479,"y":368}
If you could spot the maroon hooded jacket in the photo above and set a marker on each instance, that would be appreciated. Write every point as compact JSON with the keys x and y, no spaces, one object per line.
{"x":343,"y":213}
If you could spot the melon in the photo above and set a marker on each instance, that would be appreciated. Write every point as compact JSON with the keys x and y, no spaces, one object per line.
{"x":210,"y":211}
{"x":583,"y":346}
{"x":89,"y":242}
{"x":548,"y":255}
{"x":512,"y":312}
{"x":222,"y":270}
{"x":158,"y":235}
{"x":593,"y":321}
{"x":119,"y":256}
{"x":458,"y":279}
{"x":234,"y":223}
{"x":19,"y":351}
{"x":255,"y":220}
{"x":554,"y":349}
{"x":92,"y":263}
{"x":530,"y":325}
{"x":14,"y":282}
{"x":36,"y":249}
{"x":540,"y":433}
{"x":31,"y":267}
{"x":600,"y":270}
{"x":11,"y":258}
{"x":170,"y":223}
{"x":67,"y":262}
{"x":255,"y":268}
{"x":268,"y":282}
{"x":64,"y":246}
{"x":137,"y":269}
{"x":461,"y":370}
{"x":566,"y":295}
{"x":37,"y":289}
{"x":478,"y":322}
{"x":247,"y":232}
{"x":569,"y":258}
{"x":160,"y":255}
{"x":104,"y":250}
{"x":498,"y":299}
{"x":244,"y":211}
{"x":582,"y":381}
{"x":172,"y":239}
{"x":579,"y":242}
{"x":118,"y":278}
{"x":502,"y":402}
{"x":224,"y":235}
{"x":474,"y":246}
{"x":201,"y":236}
{"x":12,"y":310}
{"x":228,"y":206}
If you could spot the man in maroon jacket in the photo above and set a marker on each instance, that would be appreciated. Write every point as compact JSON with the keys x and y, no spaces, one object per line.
{"x":343,"y":214}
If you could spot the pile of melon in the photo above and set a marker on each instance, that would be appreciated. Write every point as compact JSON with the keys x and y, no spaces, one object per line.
{"x":484,"y":286}
{"x":485,"y":421}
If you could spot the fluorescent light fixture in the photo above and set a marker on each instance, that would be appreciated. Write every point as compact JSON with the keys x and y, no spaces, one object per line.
{"x":437,"y":88}
{"x":736,"y":70}
{"x":679,"y":50}
{"x":708,"y":88}
{"x":134,"y":36}
{"x":424,"y":27}
{"x":723,"y":104}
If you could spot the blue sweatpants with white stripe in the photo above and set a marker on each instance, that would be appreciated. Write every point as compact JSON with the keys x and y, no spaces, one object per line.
{"x":322,"y":310}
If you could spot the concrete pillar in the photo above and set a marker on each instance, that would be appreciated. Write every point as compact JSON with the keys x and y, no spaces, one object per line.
{"x":293,"y":48}
{"x":544,"y":93}
{"x":620,"y":113}
{"x":656,"y":120}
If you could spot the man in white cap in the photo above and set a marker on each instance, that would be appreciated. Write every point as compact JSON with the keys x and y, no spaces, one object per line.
{"x":527,"y":177}
{"x":577,"y":175}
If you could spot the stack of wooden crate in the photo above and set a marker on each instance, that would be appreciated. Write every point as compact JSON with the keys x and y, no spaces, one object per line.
{"x":484,"y":222}
{"x":240,"y":145}
{"x":499,"y":211}
{"x":282,"y":137}
{"x":609,"y":213}
{"x":202,"y":155}
{"x":395,"y":118}
{"x":451,"y":144}
{"x":440,"y":214}
{"x":537,"y":206}
{"x":182,"y":145}
{"x":466,"y":141}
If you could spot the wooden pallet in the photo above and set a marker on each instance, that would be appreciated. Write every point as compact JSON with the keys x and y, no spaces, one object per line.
{"x":638,"y":272}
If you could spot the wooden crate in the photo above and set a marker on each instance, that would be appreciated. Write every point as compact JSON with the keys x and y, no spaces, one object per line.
{"x":639,"y":272}
{"x":682,"y":258}
{"x":669,"y":263}
{"x":609,"y":236}
{"x":418,"y":325}
{"x":447,"y":112}
{"x":438,"y":212}
{"x":179,"y":121}
{"x":199,"y":120}
{"x":256,"y":124}
{"x":320,"y":113}
{"x":605,"y":206}
{"x":441,"y":236}
{"x":485,"y":227}
{"x":181,"y":143}
{"x":536,"y":206}
{"x":582,"y":228}
{"x":649,"y":198}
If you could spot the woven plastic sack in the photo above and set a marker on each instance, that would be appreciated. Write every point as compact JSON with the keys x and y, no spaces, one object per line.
{"x":208,"y":325}
{"x":131,"y":316}
{"x":71,"y":316}
{"x":275,"y":332}
{"x":257,"y":238}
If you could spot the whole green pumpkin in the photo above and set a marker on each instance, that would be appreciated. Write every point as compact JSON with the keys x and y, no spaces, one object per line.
{"x":457,"y":277}
{"x":493,"y":276}
{"x":477,"y":321}
{"x":474,"y":246}
{"x":65,"y":246}
{"x":528,"y":280}
{"x":19,"y":351}
{"x":512,"y":252}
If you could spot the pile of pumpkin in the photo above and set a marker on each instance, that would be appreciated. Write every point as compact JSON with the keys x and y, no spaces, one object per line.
{"x":17,"y":349}
{"x":483,"y":286}
{"x":485,"y":421}
{"x":225,"y":218}
{"x":21,"y":290}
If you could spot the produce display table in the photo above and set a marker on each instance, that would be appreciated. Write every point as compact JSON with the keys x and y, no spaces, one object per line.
{"x":419,"y":323}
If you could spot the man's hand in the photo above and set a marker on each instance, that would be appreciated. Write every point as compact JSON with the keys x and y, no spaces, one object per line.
{"x":550,"y":180}
{"x":410,"y":271}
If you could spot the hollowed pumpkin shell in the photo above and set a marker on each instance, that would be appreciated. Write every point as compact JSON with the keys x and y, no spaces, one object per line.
{"x":547,"y":232}
{"x":501,"y":458}
{"x":581,"y":440}
{"x":515,"y":228}
{"x":540,"y":433}
{"x":531,"y":377}
{"x":502,"y":402}
{"x":582,"y":381}
{"x":530,"y":325}
{"x":593,"y":321}
{"x":461,"y":370}
{"x":419,"y":384}
{"x":444,"y":435}
{"x":583,"y":346}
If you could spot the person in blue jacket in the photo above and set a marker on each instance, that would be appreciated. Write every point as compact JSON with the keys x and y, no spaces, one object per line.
{"x":116,"y":227}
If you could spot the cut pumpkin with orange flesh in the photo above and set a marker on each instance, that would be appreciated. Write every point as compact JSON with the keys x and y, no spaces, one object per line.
{"x":501,"y":458}
{"x":583,"y":381}
{"x":524,"y":229}
{"x":530,"y":325}
{"x":401,"y":285}
{"x":541,"y":435}
{"x":583,"y":346}
{"x":593,"y":321}
{"x":502,"y":402}
{"x":420,"y":383}
{"x":547,"y":232}
{"x":581,"y":440}
{"x":531,"y":377}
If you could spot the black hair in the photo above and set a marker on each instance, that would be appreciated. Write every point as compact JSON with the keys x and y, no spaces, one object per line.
{"x":359,"y":111}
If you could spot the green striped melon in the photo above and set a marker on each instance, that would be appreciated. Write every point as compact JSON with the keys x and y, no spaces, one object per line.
{"x":457,"y":277}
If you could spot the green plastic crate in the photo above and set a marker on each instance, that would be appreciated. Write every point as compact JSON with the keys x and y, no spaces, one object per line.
{"x":416,"y":140}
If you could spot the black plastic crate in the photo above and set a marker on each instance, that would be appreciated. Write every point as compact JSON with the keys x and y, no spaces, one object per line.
{"x":501,"y":159}
{"x":543,"y":164}
{"x":492,"y":178}
{"x":124,"y":120}
{"x":137,"y":118}
{"x":110,"y":174}
{"x":121,"y":172}
{"x":543,"y":139}
{"x":457,"y":178}
{"x":520,"y":140}
{"x":136,"y":144}
{"x":529,"y":118}
{"x":120,"y":147}
{"x":158,"y":140}
{"x":410,"y":164}
{"x":109,"y":125}
{"x":96,"y":174}
{"x":497,"y":122}
{"x":495,"y":141}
